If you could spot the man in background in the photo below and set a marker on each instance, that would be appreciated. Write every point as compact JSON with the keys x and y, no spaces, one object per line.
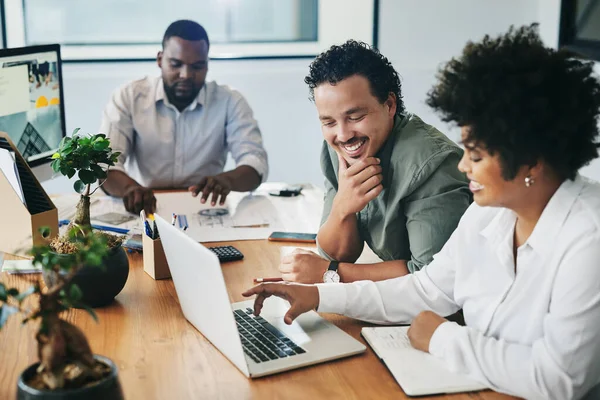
{"x":175,"y":131}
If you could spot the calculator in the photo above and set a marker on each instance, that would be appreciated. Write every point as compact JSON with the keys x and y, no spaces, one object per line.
{"x":227,"y":253}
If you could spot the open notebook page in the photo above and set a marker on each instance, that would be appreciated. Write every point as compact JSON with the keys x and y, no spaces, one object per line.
{"x":417,"y":372}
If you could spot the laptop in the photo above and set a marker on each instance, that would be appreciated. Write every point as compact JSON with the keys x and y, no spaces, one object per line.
{"x":257,"y":346}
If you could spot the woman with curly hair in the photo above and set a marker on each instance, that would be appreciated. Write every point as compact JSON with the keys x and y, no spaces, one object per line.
{"x":524,"y":262}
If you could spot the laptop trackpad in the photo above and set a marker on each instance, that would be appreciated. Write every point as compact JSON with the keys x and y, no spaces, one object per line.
{"x":310,"y":323}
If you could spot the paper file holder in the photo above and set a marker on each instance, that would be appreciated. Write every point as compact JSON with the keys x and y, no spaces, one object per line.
{"x":20,"y":223}
{"x":155,"y":261}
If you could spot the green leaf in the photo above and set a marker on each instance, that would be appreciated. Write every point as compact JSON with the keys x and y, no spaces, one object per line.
{"x":75,"y":293}
{"x":101,"y":145}
{"x":55,"y":165}
{"x":89,"y":310}
{"x":98,"y":171}
{"x":87,"y":176}
{"x":5,"y":312}
{"x":3,"y":294}
{"x":70,"y":172}
{"x":79,"y":186}
{"x":23,"y":295}
{"x":55,"y":156}
{"x":75,"y":131}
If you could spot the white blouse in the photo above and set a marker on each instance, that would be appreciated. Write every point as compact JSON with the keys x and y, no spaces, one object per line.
{"x":534,"y":334}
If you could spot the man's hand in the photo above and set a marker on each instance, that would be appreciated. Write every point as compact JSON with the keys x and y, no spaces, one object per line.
{"x":137,"y":198}
{"x":358,"y":185}
{"x":303,"y":266}
{"x":218,"y":185}
{"x":422,"y":328}
{"x":302,"y":298}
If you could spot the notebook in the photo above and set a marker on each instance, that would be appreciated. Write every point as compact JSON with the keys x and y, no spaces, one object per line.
{"x":417,"y":372}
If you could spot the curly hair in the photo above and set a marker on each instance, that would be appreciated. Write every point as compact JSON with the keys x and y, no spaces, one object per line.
{"x":356,"y":58}
{"x":527,"y":102}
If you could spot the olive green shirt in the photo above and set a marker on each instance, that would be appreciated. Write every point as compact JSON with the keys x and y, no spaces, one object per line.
{"x":424,"y":194}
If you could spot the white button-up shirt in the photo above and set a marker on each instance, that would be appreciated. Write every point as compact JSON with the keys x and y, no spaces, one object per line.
{"x":534,"y":334}
{"x":164,"y":148}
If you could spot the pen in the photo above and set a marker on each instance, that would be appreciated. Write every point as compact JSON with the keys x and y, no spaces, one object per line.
{"x":174,"y":219}
{"x":63,"y":222}
{"x":149,"y":232}
{"x":251,"y":226}
{"x":261,"y":280}
{"x":110,"y":229}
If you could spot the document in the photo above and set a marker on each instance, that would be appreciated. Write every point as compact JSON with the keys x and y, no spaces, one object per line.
{"x":8,"y":166}
{"x":417,"y":372}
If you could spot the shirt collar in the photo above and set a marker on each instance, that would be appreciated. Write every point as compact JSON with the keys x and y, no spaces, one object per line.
{"x":200,"y":99}
{"x":550,"y":222}
{"x":497,"y":229}
{"x":554,"y":215}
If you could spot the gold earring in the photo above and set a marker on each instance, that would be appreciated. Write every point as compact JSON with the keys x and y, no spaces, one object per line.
{"x":529,"y":181}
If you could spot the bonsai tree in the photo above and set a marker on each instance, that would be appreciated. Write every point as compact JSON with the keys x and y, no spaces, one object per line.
{"x":66,"y":360}
{"x":90,"y":157}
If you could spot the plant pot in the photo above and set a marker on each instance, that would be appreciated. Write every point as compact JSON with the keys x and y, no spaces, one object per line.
{"x":107,"y":388}
{"x":99,"y":285}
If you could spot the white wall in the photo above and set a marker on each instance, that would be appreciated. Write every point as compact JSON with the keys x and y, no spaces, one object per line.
{"x":416,"y":36}
{"x":549,"y":18}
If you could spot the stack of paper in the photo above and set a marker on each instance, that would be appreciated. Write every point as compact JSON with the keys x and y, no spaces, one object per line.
{"x":20,"y":267}
{"x":8,"y":167}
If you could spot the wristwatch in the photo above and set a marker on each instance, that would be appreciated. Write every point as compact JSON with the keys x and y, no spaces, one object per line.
{"x":331,"y":275}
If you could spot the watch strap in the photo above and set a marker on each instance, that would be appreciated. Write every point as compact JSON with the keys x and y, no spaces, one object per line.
{"x":333,"y":266}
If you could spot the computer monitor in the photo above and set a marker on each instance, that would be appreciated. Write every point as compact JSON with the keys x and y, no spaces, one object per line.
{"x":31,"y":100}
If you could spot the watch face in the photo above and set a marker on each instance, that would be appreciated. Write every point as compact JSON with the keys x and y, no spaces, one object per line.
{"x":331,"y":277}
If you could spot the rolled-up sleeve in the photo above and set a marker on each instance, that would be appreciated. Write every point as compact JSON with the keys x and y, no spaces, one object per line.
{"x":243,"y":136}
{"x":117,"y":125}
{"x":398,"y":300}
{"x":435,"y":207}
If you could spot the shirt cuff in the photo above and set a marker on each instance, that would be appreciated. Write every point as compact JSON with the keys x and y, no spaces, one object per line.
{"x":260,"y":165}
{"x":444,"y":334}
{"x":332,"y":298}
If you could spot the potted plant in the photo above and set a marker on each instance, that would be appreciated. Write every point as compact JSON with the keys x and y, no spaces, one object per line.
{"x":89,"y":157}
{"x":67,"y":368}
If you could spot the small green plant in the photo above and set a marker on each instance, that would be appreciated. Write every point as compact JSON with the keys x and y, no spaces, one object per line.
{"x":90,"y":157}
{"x":66,"y":360}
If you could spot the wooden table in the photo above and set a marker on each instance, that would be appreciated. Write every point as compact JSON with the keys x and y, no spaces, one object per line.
{"x":161,"y":356}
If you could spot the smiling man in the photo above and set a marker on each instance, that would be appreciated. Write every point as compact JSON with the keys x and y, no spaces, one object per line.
{"x":175,"y":131}
{"x":391,"y":180}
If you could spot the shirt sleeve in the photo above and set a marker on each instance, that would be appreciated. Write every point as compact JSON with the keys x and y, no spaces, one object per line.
{"x":434,"y":207}
{"x":330,"y":190}
{"x":117,"y":125}
{"x":243,"y":136}
{"x":563,"y":363}
{"x":398,"y":300}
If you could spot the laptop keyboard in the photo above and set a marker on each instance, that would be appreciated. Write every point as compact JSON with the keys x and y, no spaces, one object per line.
{"x":261,"y":340}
